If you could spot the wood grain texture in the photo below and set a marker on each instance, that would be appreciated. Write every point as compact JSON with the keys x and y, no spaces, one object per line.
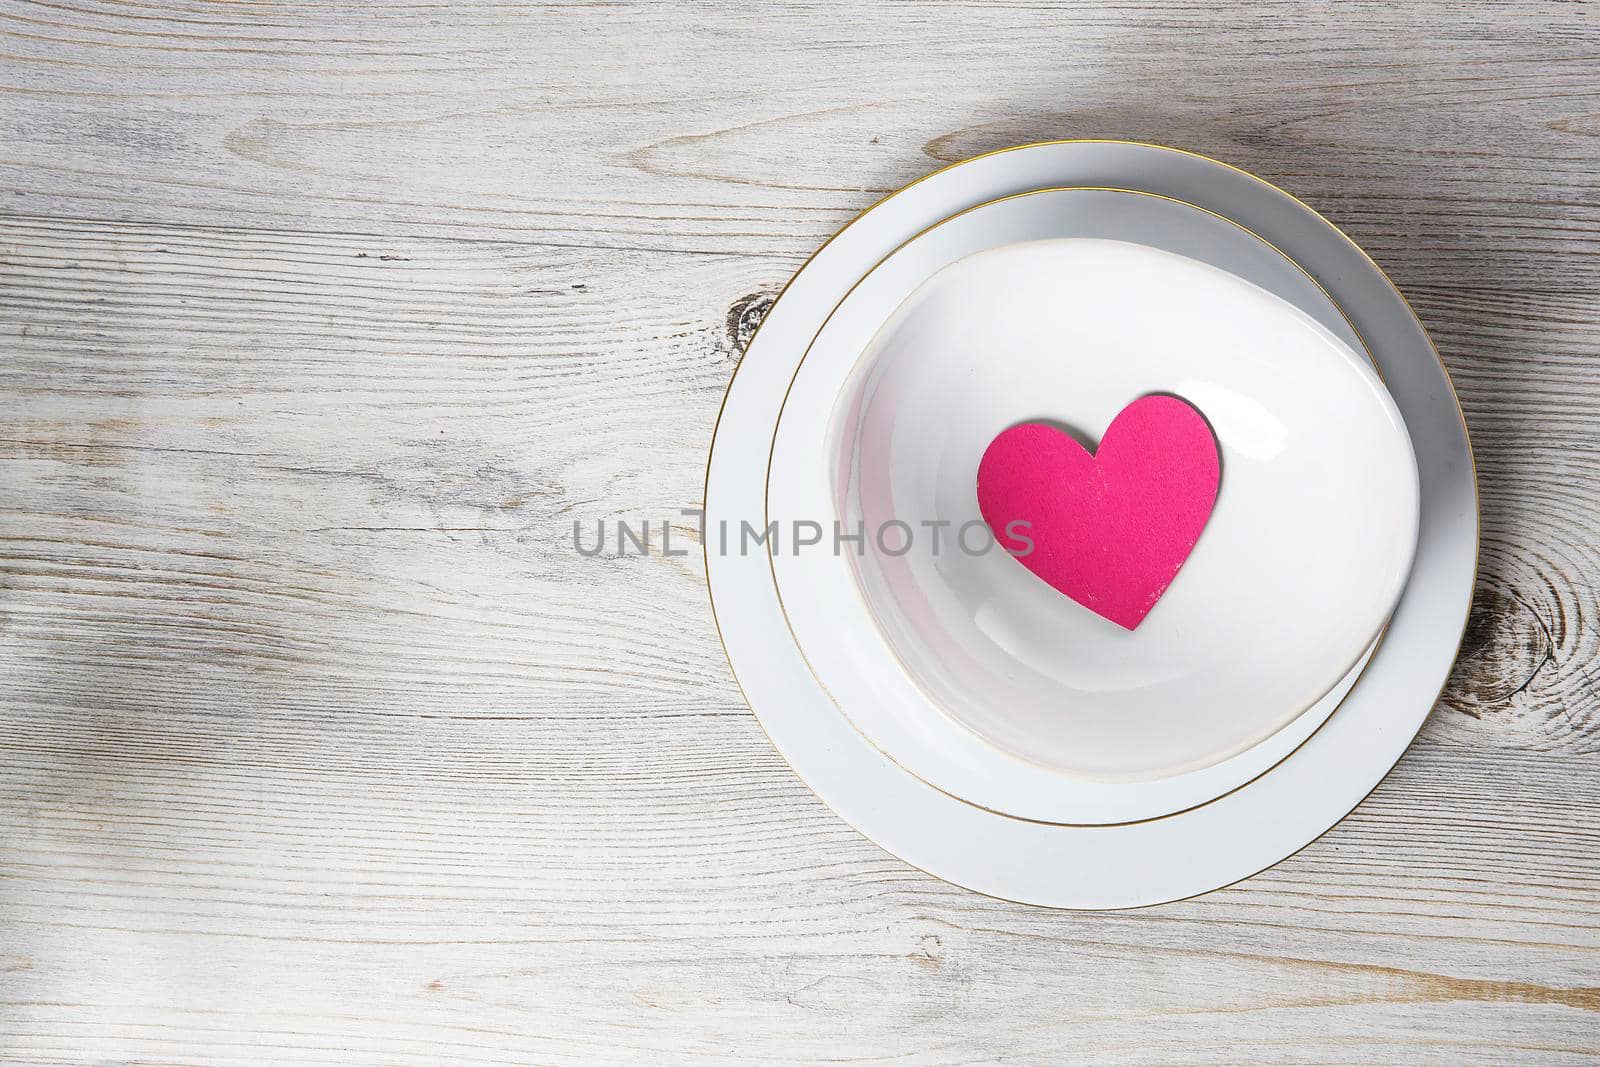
{"x":323,"y":322}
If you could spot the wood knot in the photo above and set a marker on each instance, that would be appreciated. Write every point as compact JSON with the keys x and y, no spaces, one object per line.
{"x":744,"y":317}
{"x":929,"y":953}
{"x":1505,"y":645}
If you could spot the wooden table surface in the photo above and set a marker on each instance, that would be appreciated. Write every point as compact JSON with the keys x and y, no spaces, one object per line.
{"x":322,"y":323}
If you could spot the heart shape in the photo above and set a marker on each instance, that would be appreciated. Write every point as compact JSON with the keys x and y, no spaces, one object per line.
{"x":1109,"y":529}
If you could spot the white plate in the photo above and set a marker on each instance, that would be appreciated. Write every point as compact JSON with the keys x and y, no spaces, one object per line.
{"x":1161,"y":859}
{"x":1188,"y":705}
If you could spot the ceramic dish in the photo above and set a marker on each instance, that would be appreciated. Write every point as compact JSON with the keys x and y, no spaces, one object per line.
{"x":1156,"y":860}
{"x":1094,"y":724}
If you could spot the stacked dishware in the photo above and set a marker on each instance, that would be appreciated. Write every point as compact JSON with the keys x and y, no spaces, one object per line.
{"x":1225,"y":641}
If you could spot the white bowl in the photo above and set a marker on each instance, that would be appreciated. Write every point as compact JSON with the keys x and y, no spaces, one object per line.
{"x":1296,"y":572}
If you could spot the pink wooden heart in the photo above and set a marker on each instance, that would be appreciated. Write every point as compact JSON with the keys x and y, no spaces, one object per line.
{"x":1108,"y":529}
